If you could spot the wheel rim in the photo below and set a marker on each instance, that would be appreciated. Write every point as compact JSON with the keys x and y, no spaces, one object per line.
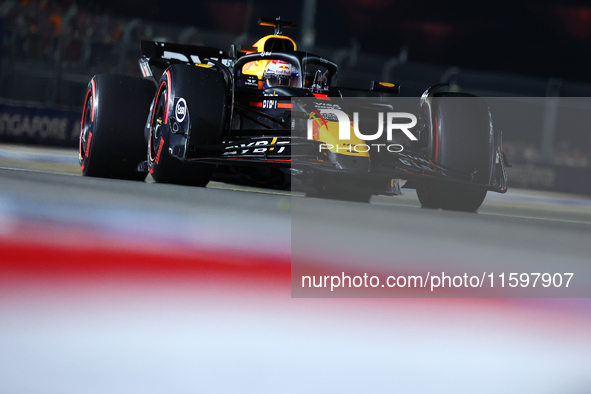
{"x":86,"y":129}
{"x":157,"y":123}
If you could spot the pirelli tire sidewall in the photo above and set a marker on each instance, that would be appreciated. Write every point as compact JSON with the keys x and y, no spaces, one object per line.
{"x":463,"y":139}
{"x":462,"y":136}
{"x":204,"y":93}
{"x":112,"y":143}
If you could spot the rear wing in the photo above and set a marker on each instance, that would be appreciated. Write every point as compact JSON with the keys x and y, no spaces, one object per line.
{"x":158,"y":56}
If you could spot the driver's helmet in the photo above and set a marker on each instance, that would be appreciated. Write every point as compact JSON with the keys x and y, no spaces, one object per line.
{"x":280,"y":73}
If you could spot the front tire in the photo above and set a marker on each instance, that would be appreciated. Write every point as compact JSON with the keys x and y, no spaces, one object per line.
{"x":462,"y":139}
{"x":450,"y":198}
{"x":196,"y":86}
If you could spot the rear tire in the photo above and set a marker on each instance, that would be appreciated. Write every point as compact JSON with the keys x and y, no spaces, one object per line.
{"x":112,"y":142}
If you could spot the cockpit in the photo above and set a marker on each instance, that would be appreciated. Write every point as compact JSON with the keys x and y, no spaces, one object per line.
{"x":295,"y":69}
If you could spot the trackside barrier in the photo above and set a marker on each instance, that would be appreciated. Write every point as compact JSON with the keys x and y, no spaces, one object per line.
{"x":33,"y":123}
{"x":550,"y":177}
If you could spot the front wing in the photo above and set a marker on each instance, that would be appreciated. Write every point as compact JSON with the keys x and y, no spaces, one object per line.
{"x":276,"y":151}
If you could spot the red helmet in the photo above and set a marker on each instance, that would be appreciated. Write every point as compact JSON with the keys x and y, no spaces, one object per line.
{"x":280,"y":73}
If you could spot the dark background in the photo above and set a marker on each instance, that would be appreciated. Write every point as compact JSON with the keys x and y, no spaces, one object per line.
{"x":543,"y":38}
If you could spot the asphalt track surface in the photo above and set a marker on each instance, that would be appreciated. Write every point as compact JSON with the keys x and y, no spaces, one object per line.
{"x":114,"y":286}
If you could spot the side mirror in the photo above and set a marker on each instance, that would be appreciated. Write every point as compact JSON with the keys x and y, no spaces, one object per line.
{"x":384,"y":87}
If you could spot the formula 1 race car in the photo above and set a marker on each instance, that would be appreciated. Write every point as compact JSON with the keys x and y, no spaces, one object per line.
{"x":275,"y":114}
